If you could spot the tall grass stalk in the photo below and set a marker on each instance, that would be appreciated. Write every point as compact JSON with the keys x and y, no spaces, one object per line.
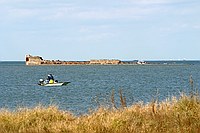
{"x":170,"y":116}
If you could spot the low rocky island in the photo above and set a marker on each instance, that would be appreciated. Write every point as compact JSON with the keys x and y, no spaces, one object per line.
{"x":37,"y":60}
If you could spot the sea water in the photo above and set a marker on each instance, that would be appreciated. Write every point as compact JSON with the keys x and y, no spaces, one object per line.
{"x":92,"y":85}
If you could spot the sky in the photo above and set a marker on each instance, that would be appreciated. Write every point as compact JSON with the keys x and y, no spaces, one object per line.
{"x":100,"y":29}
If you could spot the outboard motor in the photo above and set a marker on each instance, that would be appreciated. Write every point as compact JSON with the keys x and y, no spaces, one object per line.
{"x":41,"y":81}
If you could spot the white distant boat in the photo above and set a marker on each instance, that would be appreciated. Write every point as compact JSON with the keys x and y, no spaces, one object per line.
{"x":141,"y":62}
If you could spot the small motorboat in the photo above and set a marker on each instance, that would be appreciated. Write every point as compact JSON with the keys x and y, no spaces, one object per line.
{"x":56,"y":83}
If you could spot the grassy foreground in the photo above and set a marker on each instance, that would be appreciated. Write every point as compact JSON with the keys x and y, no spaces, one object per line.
{"x":173,"y":116}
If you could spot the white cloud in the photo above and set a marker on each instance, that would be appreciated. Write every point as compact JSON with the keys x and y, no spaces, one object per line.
{"x":54,"y":10}
{"x":96,"y":33}
{"x":74,"y":12}
{"x":96,"y":37}
{"x":113,"y":13}
{"x":147,"y":2}
{"x":16,"y":1}
{"x":153,"y":2}
{"x":196,"y":26}
{"x":22,"y":13}
{"x":58,"y":11}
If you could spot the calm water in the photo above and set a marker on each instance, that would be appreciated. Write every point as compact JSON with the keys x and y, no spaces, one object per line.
{"x":92,"y":85}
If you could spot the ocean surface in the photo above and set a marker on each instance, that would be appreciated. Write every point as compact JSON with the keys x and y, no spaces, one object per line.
{"x":92,"y":85}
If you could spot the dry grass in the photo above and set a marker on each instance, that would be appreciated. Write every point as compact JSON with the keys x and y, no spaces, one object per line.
{"x":171,"y":116}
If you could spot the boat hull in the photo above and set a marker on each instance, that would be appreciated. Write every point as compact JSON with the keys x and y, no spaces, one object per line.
{"x":55,"y":84}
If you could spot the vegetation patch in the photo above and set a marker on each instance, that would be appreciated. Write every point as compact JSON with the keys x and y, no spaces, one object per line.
{"x":171,"y":116}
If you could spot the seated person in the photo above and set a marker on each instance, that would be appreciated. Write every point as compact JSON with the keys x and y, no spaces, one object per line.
{"x":50,"y":79}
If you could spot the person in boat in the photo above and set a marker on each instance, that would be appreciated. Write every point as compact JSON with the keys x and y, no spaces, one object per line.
{"x":50,"y":78}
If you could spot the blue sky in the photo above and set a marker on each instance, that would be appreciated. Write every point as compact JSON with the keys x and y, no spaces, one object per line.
{"x":100,"y":29}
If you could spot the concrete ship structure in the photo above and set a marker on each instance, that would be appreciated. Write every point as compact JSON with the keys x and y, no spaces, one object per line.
{"x":37,"y":60}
